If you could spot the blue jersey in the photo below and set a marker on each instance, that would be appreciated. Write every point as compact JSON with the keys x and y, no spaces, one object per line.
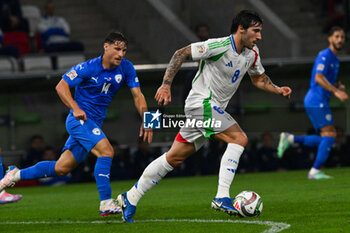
{"x":327,"y":64}
{"x":96,"y":86}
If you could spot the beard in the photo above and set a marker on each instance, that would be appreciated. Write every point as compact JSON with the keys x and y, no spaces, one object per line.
{"x":337,"y":47}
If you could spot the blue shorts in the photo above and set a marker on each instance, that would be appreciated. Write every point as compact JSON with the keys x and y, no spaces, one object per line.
{"x":319,"y":113}
{"x":84,"y":135}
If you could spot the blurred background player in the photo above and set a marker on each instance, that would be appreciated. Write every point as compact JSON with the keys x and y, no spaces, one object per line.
{"x":4,"y":196}
{"x":55,"y":32}
{"x":224,"y":62}
{"x":316,"y":102}
{"x":96,"y":81}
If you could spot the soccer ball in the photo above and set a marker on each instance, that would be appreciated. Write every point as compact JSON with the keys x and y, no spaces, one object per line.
{"x":248,"y":204}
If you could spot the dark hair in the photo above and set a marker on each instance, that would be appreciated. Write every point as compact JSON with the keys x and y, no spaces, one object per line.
{"x":114,"y":36}
{"x":246,"y":19}
{"x":334,"y":29}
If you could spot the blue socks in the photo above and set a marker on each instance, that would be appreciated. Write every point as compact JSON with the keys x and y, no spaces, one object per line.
{"x":39,"y":170}
{"x":323,"y":151}
{"x":324,"y":147}
{"x":308,"y":140}
{"x":1,"y":169}
{"x":102,"y":177}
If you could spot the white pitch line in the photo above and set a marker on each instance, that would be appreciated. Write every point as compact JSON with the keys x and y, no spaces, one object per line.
{"x":275,"y":226}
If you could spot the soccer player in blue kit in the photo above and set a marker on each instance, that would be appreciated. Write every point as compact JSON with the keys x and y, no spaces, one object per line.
{"x":323,"y":83}
{"x":96,"y":81}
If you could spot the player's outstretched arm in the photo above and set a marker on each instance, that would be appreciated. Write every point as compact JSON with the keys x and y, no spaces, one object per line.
{"x":264,"y":83}
{"x":141,"y":106}
{"x":163,"y":92}
{"x":338,"y":92}
{"x":63,"y":91}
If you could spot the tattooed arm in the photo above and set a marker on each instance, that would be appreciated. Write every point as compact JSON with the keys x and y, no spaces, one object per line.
{"x":163,"y":92}
{"x":264,"y":83}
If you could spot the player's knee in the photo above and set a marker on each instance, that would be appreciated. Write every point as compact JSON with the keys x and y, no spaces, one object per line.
{"x":243,"y":141}
{"x":240,"y":139}
{"x":329,"y":133}
{"x":175,"y":162}
{"x":108,"y":152}
{"x":62,"y":171}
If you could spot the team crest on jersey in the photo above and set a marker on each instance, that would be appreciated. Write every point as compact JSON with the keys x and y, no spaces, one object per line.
{"x":136,"y":80}
{"x":201,"y":49}
{"x":320,"y":67}
{"x":96,"y":131}
{"x":247,"y":59}
{"x":118,"y":78}
{"x":72,"y":74}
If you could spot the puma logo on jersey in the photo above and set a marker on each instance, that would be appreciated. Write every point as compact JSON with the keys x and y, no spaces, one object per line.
{"x":95,"y":79}
{"x":104,"y":175}
{"x":229,"y":64}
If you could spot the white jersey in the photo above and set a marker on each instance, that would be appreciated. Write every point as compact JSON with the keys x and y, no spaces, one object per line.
{"x":220,"y":71}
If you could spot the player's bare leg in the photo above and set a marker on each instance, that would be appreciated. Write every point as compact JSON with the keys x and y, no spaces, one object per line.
{"x":236,"y":140}
{"x":65,"y":164}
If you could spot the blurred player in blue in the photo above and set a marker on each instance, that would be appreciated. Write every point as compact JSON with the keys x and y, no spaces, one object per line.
{"x":323,"y":83}
{"x":96,"y":81}
{"x":4,"y":196}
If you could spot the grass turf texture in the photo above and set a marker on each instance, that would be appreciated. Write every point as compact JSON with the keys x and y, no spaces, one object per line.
{"x":307,"y":205}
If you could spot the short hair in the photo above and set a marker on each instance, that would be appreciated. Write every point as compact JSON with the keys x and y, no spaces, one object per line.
{"x":334,"y":29}
{"x":246,"y":19}
{"x":114,"y":36}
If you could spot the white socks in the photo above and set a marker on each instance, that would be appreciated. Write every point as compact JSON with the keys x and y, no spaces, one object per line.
{"x":290,"y":138}
{"x":153,"y":173}
{"x":228,"y":167}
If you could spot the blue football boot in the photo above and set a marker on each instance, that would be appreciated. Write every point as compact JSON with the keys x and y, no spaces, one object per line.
{"x":128,"y":210}
{"x":224,"y":204}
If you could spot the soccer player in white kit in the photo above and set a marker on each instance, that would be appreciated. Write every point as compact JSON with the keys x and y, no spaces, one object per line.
{"x":223,"y":63}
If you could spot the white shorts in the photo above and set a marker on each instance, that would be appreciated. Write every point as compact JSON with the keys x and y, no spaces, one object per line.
{"x":203,"y":122}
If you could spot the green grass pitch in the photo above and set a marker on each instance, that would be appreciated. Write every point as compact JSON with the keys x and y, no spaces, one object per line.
{"x":288,"y":197}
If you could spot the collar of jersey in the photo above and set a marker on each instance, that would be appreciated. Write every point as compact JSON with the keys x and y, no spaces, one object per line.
{"x":331,"y":52}
{"x":234,"y":45}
